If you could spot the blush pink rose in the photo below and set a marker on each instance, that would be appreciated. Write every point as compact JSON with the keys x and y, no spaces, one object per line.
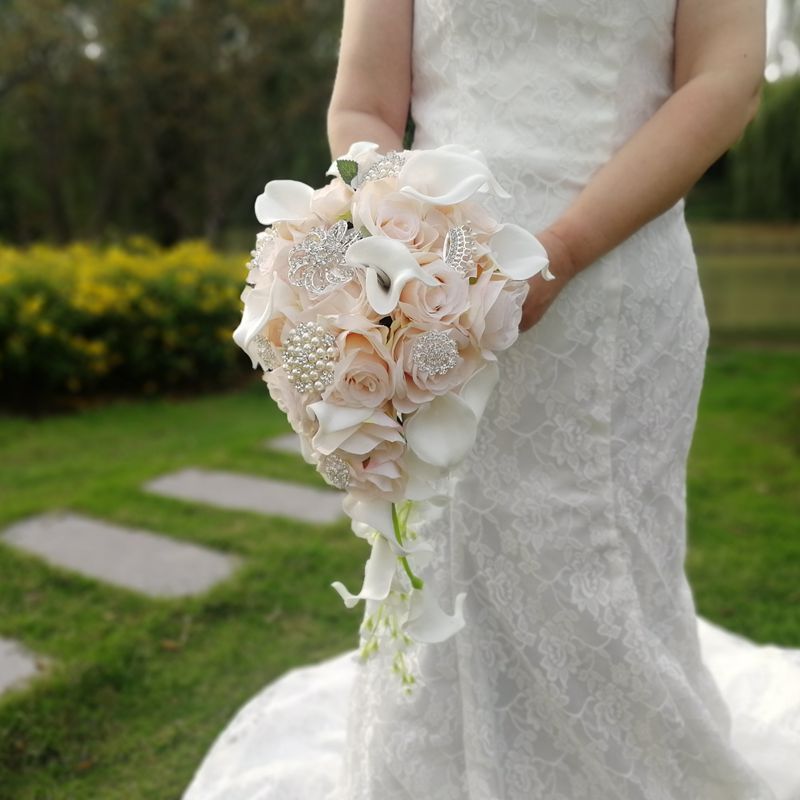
{"x":381,"y":473}
{"x":384,"y":211}
{"x":435,"y":305}
{"x":332,"y":202}
{"x":290,"y":402}
{"x":494,"y":313}
{"x":363,"y":376}
{"x":415,"y":386}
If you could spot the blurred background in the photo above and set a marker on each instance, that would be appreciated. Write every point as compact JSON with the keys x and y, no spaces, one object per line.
{"x":164,"y":550}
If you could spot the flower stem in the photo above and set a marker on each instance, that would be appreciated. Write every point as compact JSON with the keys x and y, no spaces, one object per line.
{"x":416,"y":582}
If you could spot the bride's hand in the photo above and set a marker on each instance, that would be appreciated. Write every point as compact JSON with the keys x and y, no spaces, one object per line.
{"x":542,"y":292}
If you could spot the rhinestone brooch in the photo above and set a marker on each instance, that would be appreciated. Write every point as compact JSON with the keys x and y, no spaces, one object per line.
{"x":263,"y":242}
{"x":334,"y":470}
{"x":387,"y":166}
{"x":435,"y":352}
{"x":265,"y":353}
{"x":459,"y":249}
{"x":317,"y":262}
{"x":308,"y":357}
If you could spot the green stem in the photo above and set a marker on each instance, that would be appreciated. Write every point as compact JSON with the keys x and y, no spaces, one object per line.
{"x":415,"y":581}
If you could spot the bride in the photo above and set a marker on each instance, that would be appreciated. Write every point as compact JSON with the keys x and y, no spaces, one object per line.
{"x":583,"y":671}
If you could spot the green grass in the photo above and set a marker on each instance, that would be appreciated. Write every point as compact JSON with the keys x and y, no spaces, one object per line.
{"x":138,"y":689}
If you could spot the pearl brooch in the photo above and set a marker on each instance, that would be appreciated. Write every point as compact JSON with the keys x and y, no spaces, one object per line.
{"x":387,"y":166}
{"x":309,"y":356}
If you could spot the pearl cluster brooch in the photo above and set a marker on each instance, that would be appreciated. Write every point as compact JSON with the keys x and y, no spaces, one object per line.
{"x":318,"y":261}
{"x":309,"y":356}
{"x":334,"y":470}
{"x":435,"y":352}
{"x":459,"y":249}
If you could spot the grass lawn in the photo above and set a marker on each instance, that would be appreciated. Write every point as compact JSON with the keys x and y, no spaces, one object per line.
{"x":140,"y":687}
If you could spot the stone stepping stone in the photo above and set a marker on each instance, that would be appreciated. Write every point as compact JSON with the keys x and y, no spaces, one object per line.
{"x":286,"y":443}
{"x":248,"y":493}
{"x":17,"y":665}
{"x":136,"y":559}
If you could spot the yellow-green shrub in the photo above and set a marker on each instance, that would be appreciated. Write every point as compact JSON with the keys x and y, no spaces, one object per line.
{"x":85,"y":320}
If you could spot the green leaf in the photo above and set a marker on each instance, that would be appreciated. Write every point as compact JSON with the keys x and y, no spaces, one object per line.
{"x":348,"y":169}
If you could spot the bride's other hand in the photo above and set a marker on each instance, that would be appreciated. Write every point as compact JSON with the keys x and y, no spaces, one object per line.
{"x":542,"y":293}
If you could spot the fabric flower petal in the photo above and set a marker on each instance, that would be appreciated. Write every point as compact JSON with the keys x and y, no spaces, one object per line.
{"x":478,"y":389}
{"x":427,"y":623}
{"x":518,"y":253}
{"x":284,"y":200}
{"x":256,"y":313}
{"x":443,"y":431}
{"x":446,"y":175}
{"x":356,"y":151}
{"x":378,"y":574}
{"x":389,"y":266}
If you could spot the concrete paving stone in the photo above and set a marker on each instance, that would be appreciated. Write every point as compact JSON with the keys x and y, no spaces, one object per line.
{"x":286,"y":443}
{"x":249,"y":493}
{"x":136,"y":559}
{"x":17,"y":665}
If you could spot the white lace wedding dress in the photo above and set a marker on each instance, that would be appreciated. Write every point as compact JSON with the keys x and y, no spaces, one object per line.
{"x":580,"y":673}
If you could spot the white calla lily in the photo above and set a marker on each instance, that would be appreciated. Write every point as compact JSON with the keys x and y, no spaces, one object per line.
{"x":447,"y":175}
{"x":425,"y":481}
{"x":427,"y":623}
{"x":284,"y":201}
{"x":378,"y":574}
{"x":389,"y":266}
{"x":518,"y":253}
{"x":478,"y":389}
{"x":358,"y":152}
{"x":256,"y":313}
{"x":376,"y":515}
{"x":443,"y":431}
{"x":336,"y":424}
{"x":349,"y":428}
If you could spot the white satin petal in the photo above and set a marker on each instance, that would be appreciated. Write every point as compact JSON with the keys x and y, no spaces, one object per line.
{"x":283,"y":200}
{"x":425,"y":481}
{"x":427,"y":622}
{"x":446,"y":175}
{"x":257,"y":311}
{"x":391,"y":258}
{"x":356,"y":151}
{"x":443,"y":431}
{"x":478,"y":389}
{"x":377,"y":514}
{"x":378,"y":573}
{"x":336,"y":418}
{"x":517,"y":253}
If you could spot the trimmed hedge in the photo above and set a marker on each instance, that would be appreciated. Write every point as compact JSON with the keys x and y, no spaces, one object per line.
{"x":764,"y":165}
{"x":84,"y":321}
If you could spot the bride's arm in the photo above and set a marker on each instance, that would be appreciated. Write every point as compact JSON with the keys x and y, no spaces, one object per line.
{"x":718,"y":74}
{"x":372,"y":88}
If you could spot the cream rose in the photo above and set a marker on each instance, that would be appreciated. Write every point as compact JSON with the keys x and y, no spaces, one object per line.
{"x":440,"y":304}
{"x":364,"y":375}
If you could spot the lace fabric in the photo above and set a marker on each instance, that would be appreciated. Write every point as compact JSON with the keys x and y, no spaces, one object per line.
{"x":579,"y":675}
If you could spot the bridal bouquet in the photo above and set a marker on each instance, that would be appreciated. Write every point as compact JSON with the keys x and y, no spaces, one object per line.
{"x":375,"y":307}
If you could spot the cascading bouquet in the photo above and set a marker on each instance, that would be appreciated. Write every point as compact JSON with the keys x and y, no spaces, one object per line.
{"x":375,"y":307}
